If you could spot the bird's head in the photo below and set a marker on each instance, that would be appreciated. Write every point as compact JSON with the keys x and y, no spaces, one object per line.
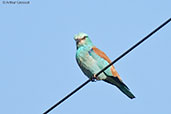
{"x":82,"y":39}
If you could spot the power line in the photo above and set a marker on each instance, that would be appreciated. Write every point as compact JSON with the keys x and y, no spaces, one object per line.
{"x":134,"y":46}
{"x":129,"y":50}
{"x":62,"y":100}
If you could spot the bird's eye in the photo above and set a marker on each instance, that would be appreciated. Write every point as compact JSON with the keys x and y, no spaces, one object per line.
{"x":84,"y":37}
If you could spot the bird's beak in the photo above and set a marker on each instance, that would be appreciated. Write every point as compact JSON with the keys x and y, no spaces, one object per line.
{"x":78,"y":40}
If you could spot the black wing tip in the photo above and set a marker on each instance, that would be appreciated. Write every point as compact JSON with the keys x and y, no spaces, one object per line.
{"x":132,"y":97}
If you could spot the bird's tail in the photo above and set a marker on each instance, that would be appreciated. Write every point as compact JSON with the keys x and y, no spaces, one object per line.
{"x":115,"y":81}
{"x":127,"y":92}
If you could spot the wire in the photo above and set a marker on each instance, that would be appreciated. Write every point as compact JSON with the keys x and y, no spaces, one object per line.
{"x":134,"y":46}
{"x":129,"y":50}
{"x":62,"y":100}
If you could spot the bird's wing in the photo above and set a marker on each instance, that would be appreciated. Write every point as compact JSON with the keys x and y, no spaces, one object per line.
{"x":105,"y":57}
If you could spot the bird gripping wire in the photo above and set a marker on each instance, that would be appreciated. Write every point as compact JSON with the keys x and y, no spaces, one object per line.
{"x":118,"y":58}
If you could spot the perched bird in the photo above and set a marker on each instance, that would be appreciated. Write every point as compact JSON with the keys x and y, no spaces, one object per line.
{"x":91,"y":60}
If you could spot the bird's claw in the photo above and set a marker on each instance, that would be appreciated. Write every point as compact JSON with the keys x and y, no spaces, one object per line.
{"x":93,"y":79}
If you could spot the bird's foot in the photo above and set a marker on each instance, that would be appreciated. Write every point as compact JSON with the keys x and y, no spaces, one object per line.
{"x":94,"y":78}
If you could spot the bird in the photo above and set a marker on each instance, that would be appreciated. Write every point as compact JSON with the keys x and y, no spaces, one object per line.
{"x":91,"y":60}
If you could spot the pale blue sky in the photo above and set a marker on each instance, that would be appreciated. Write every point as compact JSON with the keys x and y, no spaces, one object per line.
{"x":37,"y":56}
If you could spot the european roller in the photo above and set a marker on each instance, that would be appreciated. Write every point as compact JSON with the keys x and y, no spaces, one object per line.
{"x":91,"y":60}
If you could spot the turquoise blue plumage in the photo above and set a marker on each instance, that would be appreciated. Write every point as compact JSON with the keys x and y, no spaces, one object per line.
{"x":91,"y":60}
